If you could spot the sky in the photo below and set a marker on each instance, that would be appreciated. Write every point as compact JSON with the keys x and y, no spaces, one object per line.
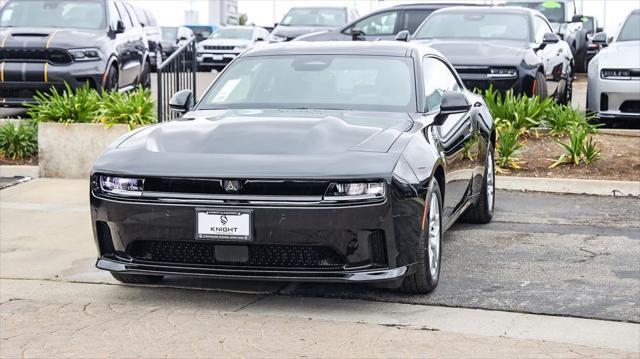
{"x":610,"y":13}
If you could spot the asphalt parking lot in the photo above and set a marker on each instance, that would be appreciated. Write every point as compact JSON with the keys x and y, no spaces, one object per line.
{"x":547,"y":254}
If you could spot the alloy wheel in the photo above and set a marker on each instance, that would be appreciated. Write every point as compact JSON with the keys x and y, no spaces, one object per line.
{"x":490,"y":181}
{"x":434,"y":236}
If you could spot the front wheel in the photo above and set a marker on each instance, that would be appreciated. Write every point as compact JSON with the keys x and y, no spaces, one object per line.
{"x":540,"y":86}
{"x":482,"y":211}
{"x":425,"y":279}
{"x":145,"y":76}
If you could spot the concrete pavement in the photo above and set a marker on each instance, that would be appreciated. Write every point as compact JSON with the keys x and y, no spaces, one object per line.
{"x":561,"y":255}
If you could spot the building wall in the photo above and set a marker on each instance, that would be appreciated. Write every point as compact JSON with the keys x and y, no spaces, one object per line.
{"x":223,"y":12}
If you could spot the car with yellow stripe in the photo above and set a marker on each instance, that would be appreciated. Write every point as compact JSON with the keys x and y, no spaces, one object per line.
{"x":46,"y":44}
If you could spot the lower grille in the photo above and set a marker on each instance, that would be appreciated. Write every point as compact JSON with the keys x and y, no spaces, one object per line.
{"x":218,"y":47}
{"x":378,"y":248}
{"x":604,"y":102}
{"x":203,"y":253}
{"x":630,"y":106}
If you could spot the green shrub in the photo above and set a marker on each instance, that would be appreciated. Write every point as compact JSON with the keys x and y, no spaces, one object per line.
{"x":18,"y":142}
{"x":564,"y":118}
{"x":508,"y":146}
{"x":580,"y":147}
{"x":79,"y":106}
{"x":520,"y":111}
{"x":133,"y":108}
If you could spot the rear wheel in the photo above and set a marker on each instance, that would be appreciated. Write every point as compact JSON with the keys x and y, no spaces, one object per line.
{"x":136,"y":278}
{"x":145,"y":76}
{"x":482,"y":211}
{"x":425,"y":279}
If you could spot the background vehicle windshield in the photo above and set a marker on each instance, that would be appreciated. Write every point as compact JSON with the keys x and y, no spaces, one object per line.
{"x":81,"y":14}
{"x":368,"y":83}
{"x":169,"y":33}
{"x":631,"y":29}
{"x":552,"y":10}
{"x":475,"y":26}
{"x":244,"y":34}
{"x":315,"y":17}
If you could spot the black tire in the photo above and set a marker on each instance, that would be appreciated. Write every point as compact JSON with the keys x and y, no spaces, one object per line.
{"x":111,"y":82}
{"x":136,"y":278}
{"x":145,"y":76}
{"x":422,"y":281}
{"x":540,"y":86}
{"x":581,"y":60}
{"x":482,"y":211}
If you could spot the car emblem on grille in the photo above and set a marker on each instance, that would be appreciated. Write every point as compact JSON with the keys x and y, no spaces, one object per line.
{"x":224,"y":220}
{"x":232,"y":185}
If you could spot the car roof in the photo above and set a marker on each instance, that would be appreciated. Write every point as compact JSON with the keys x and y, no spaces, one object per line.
{"x":319,"y":7}
{"x":371,"y":48}
{"x":489,"y":9}
{"x":432,"y":5}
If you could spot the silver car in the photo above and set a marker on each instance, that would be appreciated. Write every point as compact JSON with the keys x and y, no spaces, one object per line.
{"x":216,"y":51}
{"x":613,"y":90}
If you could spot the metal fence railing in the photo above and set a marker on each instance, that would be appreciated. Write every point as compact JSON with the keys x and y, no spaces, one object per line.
{"x":177,"y":72}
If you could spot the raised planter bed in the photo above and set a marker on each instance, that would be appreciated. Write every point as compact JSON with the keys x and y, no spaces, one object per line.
{"x":69,"y":150}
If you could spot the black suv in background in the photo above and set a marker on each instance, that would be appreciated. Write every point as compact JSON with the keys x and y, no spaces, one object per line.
{"x":47,"y":43}
{"x":154,"y":35}
{"x":304,"y":20}
{"x":173,"y":37}
{"x":383,"y":24}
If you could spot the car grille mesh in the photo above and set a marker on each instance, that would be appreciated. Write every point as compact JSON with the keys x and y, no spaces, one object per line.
{"x":630,"y":106}
{"x":378,"y":247}
{"x":218,"y":47}
{"x":53,"y":56}
{"x":203,"y":253}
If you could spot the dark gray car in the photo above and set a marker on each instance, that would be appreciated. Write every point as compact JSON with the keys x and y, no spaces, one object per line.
{"x":304,"y":20}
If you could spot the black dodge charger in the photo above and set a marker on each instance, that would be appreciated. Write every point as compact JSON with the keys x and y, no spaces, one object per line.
{"x":303,"y":161}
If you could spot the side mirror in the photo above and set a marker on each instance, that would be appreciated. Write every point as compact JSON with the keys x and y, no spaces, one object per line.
{"x":357,"y":34}
{"x":260,"y":39}
{"x":600,"y":38}
{"x":182,"y":101}
{"x":183,"y":38}
{"x":549,"y":38}
{"x":577,"y":18}
{"x":275,"y":24}
{"x":403,"y":36}
{"x":599,"y":29}
{"x":452,"y":103}
{"x":119,"y":27}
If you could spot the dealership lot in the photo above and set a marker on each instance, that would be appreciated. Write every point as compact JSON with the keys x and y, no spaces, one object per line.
{"x":546,"y":254}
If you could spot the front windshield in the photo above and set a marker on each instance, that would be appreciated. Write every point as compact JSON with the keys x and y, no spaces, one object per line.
{"x":314,"y":17}
{"x":244,"y":34}
{"x":367,"y":83}
{"x":631,"y":29}
{"x":475,"y":25}
{"x":81,"y":14}
{"x":169,"y":33}
{"x":552,"y":10}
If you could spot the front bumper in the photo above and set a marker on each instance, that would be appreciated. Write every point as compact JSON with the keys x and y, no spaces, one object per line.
{"x":22,"y":80}
{"x":614,"y":99}
{"x":215,"y":58}
{"x":114,"y":264}
{"x":354,"y":243}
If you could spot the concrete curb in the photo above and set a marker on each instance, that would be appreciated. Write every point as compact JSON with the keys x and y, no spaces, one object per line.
{"x":19,"y":171}
{"x":569,"y":185}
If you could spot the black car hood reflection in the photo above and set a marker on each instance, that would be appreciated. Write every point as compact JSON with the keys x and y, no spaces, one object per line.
{"x":480,"y":53}
{"x":64,"y":38}
{"x":264,"y":144}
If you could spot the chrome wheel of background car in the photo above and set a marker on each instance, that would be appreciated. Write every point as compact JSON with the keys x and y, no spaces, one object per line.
{"x":434,"y":236}
{"x":490,"y":181}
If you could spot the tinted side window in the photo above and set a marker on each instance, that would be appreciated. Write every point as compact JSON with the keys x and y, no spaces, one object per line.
{"x":124,"y":16}
{"x":114,"y":16}
{"x":141,"y":16}
{"x":540,"y":27}
{"x":132,"y":14}
{"x":438,"y":78}
{"x":413,"y":19}
{"x":151,"y":18}
{"x":380,"y":24}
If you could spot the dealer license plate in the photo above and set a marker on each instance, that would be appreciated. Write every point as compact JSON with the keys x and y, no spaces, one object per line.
{"x":224,"y":225}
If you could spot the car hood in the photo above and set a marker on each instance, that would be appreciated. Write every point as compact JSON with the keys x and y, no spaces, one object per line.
{"x":620,"y":55}
{"x":53,"y":37}
{"x":473,"y":52}
{"x":225,"y":42}
{"x":295,"y":31}
{"x":265,"y":144}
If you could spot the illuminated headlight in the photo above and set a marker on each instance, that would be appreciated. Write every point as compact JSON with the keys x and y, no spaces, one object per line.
{"x":276,"y":38}
{"x":616,"y":74}
{"x":121,"y":186}
{"x":503,"y":72}
{"x":355,"y":191}
{"x":86,"y":54}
